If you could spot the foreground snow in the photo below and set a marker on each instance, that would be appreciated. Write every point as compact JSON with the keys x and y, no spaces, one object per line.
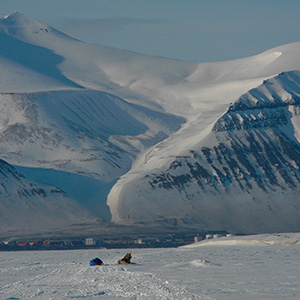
{"x":217,"y":271}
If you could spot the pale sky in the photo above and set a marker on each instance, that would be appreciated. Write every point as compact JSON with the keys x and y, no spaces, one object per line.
{"x":192,"y":30}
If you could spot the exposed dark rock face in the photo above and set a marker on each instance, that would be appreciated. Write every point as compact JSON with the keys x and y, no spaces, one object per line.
{"x":254,"y":143}
{"x":254,"y":150}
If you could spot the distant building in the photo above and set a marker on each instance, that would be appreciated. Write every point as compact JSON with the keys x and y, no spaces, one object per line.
{"x":10,"y":243}
{"x":215,"y":234}
{"x":146,"y":241}
{"x":35,"y":243}
{"x":230,"y":234}
{"x":197,"y":239}
{"x":23,"y":244}
{"x":53,"y":243}
{"x":93,"y":242}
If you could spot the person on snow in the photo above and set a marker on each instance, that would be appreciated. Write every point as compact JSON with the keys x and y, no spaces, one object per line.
{"x":125,"y":260}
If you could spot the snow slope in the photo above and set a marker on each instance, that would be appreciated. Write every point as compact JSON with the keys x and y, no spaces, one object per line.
{"x":279,"y":239}
{"x":34,"y":207}
{"x":217,"y":271}
{"x":84,"y":131}
{"x":175,"y":86}
{"x":130,"y":121}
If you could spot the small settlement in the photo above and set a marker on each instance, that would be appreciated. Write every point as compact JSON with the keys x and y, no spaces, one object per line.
{"x":168,"y":240}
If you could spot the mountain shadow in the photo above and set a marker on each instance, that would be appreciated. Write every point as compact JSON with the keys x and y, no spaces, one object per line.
{"x":36,"y":58}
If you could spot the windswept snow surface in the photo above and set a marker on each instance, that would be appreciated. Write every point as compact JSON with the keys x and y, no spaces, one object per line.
{"x":217,"y":271}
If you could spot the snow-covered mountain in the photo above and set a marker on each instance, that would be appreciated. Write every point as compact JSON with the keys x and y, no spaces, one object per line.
{"x":86,"y":132}
{"x":31,"y":207}
{"x":244,"y":172}
{"x":209,"y":144}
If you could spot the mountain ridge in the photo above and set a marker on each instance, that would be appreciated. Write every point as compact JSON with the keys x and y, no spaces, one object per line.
{"x":153,"y":138}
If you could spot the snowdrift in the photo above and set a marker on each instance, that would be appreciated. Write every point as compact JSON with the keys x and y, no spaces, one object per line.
{"x":280,"y":239}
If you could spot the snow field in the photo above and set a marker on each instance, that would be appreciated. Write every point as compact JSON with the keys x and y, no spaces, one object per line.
{"x":219,"y":272}
{"x":67,"y":275}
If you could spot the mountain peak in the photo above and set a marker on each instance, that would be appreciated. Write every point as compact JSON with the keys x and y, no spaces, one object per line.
{"x":15,"y":14}
{"x":17,"y":18}
{"x":21,"y":27}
